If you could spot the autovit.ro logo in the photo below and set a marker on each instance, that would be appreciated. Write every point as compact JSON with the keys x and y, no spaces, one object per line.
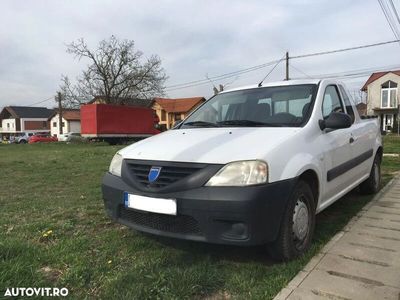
{"x":31,"y":292}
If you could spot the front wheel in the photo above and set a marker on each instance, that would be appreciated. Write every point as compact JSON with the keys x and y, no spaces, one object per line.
{"x":373,"y":183}
{"x":297,"y":226}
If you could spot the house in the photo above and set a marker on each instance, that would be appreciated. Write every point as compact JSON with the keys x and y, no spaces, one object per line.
{"x":362,"y":108}
{"x":71,"y":122}
{"x":382,"y":90}
{"x":171,"y":110}
{"x":17,"y":119}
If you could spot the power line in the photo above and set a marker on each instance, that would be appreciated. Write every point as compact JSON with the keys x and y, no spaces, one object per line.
{"x":388,"y":19}
{"x":220,"y":77}
{"x":344,"y":49}
{"x":298,"y":70}
{"x":394,"y":10}
{"x":257,"y":67}
{"x":52,"y":97}
{"x":226,"y":75}
{"x":354,"y":73}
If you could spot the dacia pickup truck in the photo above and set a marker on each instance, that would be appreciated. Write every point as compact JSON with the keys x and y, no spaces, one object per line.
{"x":250,"y":166}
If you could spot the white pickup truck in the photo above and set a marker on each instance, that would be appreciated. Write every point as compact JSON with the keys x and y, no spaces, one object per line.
{"x":252,"y":165}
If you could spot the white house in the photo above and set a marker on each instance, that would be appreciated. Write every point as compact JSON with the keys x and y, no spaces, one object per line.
{"x":17,"y":119}
{"x":382,"y":90}
{"x":71,"y":122}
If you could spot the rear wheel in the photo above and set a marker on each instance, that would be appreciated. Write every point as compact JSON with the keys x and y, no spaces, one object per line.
{"x":297,"y":227}
{"x":373,"y":183}
{"x":22,"y":141}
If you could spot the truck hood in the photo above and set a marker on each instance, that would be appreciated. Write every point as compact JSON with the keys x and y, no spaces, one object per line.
{"x":209,"y":145}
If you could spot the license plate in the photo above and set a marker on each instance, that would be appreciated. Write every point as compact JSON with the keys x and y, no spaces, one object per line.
{"x":150,"y":204}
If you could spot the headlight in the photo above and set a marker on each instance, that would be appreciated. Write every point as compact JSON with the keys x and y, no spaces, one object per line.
{"x":241,"y":173}
{"x":115,"y":165}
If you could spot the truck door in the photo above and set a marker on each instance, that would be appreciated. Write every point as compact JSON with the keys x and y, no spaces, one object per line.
{"x":336,"y":148}
{"x":361,"y":140}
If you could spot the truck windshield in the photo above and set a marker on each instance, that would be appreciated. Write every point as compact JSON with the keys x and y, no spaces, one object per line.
{"x":283,"y":106}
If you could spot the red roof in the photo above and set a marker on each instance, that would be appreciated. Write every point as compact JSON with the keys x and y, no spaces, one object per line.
{"x":71,"y":115}
{"x":181,"y":105}
{"x":377,"y":75}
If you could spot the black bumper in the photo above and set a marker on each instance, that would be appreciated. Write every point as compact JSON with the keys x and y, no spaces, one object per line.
{"x":224,"y":215}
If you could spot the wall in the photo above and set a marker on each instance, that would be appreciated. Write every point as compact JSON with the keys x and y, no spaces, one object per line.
{"x":74,"y":126}
{"x":374,"y":91}
{"x":54,"y":130}
{"x":11,"y":127}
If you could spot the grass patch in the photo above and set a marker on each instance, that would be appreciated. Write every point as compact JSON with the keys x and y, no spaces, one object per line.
{"x":53,"y":232}
{"x":391,"y":143}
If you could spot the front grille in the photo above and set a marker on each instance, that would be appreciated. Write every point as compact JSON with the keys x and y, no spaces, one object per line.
{"x":174,"y":224}
{"x":168,"y":174}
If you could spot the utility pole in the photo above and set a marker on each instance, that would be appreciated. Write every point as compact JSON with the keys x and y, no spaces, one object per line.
{"x":59,"y":99}
{"x":287,"y":65}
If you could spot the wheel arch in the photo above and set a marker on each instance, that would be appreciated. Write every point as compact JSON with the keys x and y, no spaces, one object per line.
{"x":311,"y":177}
{"x":379,"y":152}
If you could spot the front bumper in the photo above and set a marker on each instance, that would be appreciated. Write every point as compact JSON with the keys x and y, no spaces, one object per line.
{"x":224,"y":215}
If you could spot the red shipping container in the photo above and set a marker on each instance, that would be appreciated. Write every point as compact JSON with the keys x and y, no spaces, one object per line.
{"x":106,"y":120}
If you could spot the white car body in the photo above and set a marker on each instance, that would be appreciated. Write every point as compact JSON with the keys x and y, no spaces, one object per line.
{"x":250,"y":166}
{"x":65,"y":137}
{"x":288,"y":151}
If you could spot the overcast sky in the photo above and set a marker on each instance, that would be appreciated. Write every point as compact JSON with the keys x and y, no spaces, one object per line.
{"x":193,"y":38}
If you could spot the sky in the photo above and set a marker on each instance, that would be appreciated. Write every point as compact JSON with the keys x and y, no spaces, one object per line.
{"x":194,"y":39}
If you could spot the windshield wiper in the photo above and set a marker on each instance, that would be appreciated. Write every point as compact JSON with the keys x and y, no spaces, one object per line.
{"x":248,"y":123}
{"x":201,"y":124}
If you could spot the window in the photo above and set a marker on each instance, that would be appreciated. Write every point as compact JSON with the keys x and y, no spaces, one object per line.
{"x":347,"y":103}
{"x":331,"y":102}
{"x":178,"y":117}
{"x":44,"y":124}
{"x":281,"y":106}
{"x":8,"y":125}
{"x":54,"y":124}
{"x":389,"y":94}
{"x":63,"y":124}
{"x":163,"y":115}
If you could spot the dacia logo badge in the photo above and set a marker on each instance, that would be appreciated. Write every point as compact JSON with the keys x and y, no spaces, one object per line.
{"x":154,"y":173}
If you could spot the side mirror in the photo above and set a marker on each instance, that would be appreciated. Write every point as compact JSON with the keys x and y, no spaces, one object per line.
{"x":336,"y":120}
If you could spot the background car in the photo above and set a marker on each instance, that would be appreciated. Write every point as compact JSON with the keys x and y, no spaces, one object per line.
{"x":24,"y":137}
{"x":42,"y":138}
{"x":66,"y":137}
{"x":75,"y":137}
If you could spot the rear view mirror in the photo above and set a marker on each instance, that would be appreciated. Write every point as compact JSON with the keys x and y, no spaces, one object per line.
{"x":336,"y":120}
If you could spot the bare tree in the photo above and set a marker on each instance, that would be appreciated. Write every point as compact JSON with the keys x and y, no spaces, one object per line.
{"x":116,"y":71}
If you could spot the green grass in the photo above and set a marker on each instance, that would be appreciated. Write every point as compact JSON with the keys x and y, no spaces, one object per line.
{"x":57,"y":187}
{"x":391,"y":143}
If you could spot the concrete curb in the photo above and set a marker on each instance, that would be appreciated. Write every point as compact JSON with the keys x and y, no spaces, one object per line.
{"x":302,"y":275}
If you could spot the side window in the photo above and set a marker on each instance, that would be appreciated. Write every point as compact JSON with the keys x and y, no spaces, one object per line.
{"x":331,"y":101}
{"x":347,"y":103}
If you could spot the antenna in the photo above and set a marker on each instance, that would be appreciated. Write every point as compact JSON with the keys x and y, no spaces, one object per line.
{"x":277,"y":63}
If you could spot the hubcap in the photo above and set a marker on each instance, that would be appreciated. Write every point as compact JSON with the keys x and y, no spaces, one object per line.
{"x":300,"y":220}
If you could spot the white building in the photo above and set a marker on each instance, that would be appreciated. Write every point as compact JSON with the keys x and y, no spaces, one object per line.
{"x":71,"y":122}
{"x":18,"y":119}
{"x":382,"y":90}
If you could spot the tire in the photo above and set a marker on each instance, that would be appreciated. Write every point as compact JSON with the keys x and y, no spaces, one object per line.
{"x":297,"y":225}
{"x":373,"y":183}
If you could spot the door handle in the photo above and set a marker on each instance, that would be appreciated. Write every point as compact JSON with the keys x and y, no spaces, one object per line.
{"x":351,"y":140}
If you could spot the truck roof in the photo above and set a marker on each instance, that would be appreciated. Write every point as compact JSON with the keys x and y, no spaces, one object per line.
{"x":275,"y":83}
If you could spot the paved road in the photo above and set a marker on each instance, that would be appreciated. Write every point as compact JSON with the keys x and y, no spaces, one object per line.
{"x":361,"y":262}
